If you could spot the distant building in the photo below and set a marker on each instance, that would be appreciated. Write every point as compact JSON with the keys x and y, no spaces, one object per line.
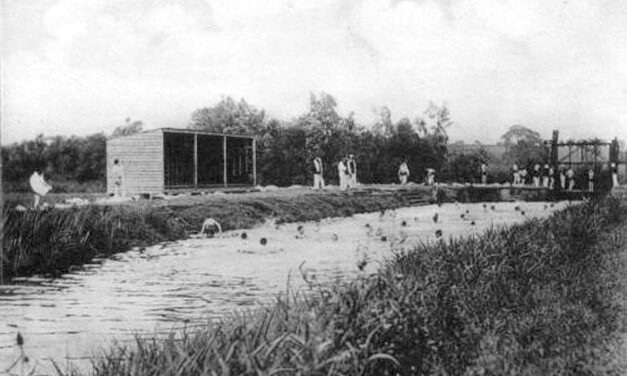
{"x":169,"y":159}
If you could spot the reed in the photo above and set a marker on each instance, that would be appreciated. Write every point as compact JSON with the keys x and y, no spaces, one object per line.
{"x":536,"y":298}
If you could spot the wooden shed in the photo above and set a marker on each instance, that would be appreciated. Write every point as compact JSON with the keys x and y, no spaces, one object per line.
{"x":169,"y":159}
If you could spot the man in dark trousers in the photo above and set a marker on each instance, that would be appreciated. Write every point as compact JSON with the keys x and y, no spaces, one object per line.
{"x":317,"y":173}
{"x":352,"y":171}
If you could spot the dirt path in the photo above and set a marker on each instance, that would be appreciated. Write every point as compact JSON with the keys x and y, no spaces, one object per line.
{"x":189,"y":199}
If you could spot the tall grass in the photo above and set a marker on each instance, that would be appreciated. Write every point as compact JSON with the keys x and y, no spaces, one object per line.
{"x":51,"y":241}
{"x":534,"y":299}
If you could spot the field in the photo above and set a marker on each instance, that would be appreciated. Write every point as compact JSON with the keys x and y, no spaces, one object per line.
{"x":535,"y":299}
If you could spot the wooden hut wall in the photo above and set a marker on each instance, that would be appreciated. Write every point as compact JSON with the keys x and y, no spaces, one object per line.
{"x":141,"y":156}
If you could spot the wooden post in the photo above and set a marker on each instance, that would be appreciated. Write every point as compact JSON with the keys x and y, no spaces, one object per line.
{"x":554,"y":149}
{"x":224,"y":160}
{"x":196,"y":160}
{"x":254,"y":163}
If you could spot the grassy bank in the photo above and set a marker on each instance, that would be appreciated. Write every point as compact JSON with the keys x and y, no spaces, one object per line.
{"x":534,"y":299}
{"x":51,"y":241}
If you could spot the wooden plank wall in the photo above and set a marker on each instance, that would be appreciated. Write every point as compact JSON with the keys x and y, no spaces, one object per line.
{"x":141,"y":156}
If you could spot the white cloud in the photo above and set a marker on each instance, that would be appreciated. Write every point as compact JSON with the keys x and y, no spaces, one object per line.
{"x":544,"y":64}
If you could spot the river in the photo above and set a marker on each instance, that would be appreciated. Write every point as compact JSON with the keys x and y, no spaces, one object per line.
{"x":189,"y":282}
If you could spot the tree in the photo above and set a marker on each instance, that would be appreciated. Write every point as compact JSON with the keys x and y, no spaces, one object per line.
{"x":228,"y":116}
{"x":518,"y":133}
{"x":131,"y":127}
{"x":383,"y":127}
{"x":421,"y":127}
{"x":464,"y":167}
{"x":439,"y":120}
{"x":524,"y":147}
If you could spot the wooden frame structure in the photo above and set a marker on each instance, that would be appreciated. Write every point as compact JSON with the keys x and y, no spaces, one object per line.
{"x":592,"y":153}
{"x":169,"y":159}
{"x":582,"y":152}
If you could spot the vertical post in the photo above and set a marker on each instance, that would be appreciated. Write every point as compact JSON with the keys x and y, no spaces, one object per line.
{"x":554,"y":149}
{"x":224,"y":164}
{"x":596,"y":150}
{"x":196,"y":160}
{"x":614,"y":151}
{"x":254,"y":163}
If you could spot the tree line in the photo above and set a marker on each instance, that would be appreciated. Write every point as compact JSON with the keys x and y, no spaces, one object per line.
{"x":284,"y":148}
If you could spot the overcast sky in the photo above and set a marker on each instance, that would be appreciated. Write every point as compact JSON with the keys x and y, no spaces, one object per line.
{"x":83,"y":66}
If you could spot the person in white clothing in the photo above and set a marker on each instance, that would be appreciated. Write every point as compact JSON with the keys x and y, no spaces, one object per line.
{"x":342,"y":174}
{"x":516,"y":173}
{"x":614,"y":171}
{"x":545,"y":176}
{"x":318,"y":178}
{"x":571,"y":178}
{"x":551,"y":177}
{"x":536,"y":175}
{"x":39,"y":186}
{"x":351,"y":165}
{"x":523,"y":176}
{"x":430,"y":177}
{"x":591,"y":180}
{"x":403,"y":172}
{"x":118,"y":177}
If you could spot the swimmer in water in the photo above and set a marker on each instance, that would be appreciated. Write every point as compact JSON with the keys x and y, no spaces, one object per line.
{"x":209,"y":227}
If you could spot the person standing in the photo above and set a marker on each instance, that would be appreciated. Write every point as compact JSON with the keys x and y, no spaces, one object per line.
{"x":403,"y":172}
{"x":352,"y":171}
{"x":39,"y":186}
{"x":591,"y":179}
{"x":342,"y":174}
{"x":318,"y":173}
{"x":551,"y":177}
{"x":562,"y":177}
{"x":516,"y":173}
{"x":545,"y":176}
{"x":118,"y":178}
{"x":484,"y":174}
{"x":536,"y":175}
{"x":430,"y":177}
{"x":570,"y":174}
{"x":614,"y":171}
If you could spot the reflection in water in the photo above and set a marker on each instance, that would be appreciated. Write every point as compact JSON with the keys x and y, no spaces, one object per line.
{"x":187,"y":283}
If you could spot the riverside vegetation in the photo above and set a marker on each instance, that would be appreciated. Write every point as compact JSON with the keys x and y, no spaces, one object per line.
{"x":50,"y":242}
{"x":533,"y":299}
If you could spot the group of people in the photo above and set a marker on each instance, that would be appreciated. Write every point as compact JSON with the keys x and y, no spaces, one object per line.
{"x":538,"y":176}
{"x":545,"y":177}
{"x":403,"y":174}
{"x":346,"y":169}
{"x":347,"y":173}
